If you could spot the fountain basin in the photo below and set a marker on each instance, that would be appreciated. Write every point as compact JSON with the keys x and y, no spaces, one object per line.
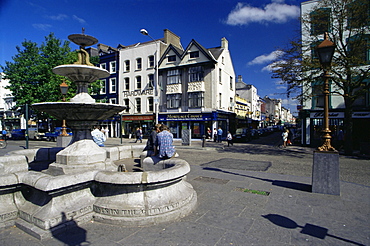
{"x":78,"y":111}
{"x":83,"y":73}
{"x":41,"y":204}
{"x":79,"y":116}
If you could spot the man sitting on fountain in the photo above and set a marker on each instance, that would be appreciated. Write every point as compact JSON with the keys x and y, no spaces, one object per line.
{"x":165,"y":148}
{"x":98,"y":136}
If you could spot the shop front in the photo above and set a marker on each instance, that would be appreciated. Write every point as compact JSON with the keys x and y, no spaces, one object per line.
{"x":131,"y":122}
{"x":198,"y":123}
{"x":313,"y":125}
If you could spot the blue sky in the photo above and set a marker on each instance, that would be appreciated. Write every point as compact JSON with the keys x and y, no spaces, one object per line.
{"x":255,"y":29}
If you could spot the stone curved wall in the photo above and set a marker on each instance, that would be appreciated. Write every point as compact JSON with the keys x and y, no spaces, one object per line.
{"x":40,"y":203}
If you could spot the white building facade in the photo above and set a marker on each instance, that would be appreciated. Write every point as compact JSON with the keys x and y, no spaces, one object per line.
{"x":197,"y":89}
{"x":138,"y":79}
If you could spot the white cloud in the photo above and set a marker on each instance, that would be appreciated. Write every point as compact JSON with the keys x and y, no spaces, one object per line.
{"x":266,"y":58}
{"x":59,"y":17}
{"x":277,"y":12}
{"x":42,"y":27}
{"x":82,"y":21}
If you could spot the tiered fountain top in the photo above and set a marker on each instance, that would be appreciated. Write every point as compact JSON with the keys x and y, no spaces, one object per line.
{"x":82,"y":108}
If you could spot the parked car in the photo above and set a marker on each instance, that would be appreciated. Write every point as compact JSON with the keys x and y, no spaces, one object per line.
{"x":18,"y":134}
{"x":52,"y":136}
{"x":242,"y":135}
{"x":33,"y":133}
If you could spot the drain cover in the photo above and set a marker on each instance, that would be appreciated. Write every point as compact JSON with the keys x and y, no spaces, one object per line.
{"x":240,"y":164}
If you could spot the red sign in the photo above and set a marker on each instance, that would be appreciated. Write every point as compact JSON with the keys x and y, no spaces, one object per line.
{"x":137,"y":117}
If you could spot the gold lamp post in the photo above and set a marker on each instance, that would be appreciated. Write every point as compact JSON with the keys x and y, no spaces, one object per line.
{"x":64,"y":89}
{"x":325,"y":52}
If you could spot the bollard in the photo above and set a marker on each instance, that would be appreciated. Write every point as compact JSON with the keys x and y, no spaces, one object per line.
{"x":203,"y":141}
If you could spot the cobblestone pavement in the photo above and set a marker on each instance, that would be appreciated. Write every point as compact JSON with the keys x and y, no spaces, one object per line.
{"x":284,"y":212}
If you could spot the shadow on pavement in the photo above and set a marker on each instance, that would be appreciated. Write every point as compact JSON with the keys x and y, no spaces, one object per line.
{"x":73,"y":235}
{"x":280,"y":183}
{"x":308,"y":229}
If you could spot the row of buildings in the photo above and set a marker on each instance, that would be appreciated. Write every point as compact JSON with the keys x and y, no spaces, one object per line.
{"x":190,"y":87}
{"x":185,"y":88}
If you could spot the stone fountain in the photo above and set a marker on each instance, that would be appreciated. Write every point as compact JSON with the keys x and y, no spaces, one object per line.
{"x":83,"y":183}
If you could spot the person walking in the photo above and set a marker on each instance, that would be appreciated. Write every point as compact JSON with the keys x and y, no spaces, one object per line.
{"x":214,"y":134}
{"x":219,"y":134}
{"x":139,"y":135}
{"x":98,"y":136}
{"x":229,"y":139}
{"x":4,"y":133}
{"x":164,"y":141}
{"x":284,"y":135}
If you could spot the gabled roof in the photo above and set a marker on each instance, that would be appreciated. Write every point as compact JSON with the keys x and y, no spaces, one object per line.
{"x":216,"y":52}
{"x":175,"y":49}
{"x":205,"y":52}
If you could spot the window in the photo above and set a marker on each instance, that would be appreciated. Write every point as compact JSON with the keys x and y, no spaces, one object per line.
{"x":138,"y":105}
{"x":171,"y":58}
{"x":151,"y":61}
{"x":113,"y":100}
{"x":113,"y":85}
{"x":174,"y":101}
{"x":195,"y":99}
{"x":127,"y":84}
{"x":127,"y":66}
{"x":112,"y":67}
{"x":138,"y":64}
{"x":358,"y":14}
{"x":220,"y":101}
{"x":126,"y":102}
{"x":358,"y":49}
{"x":231,"y":83}
{"x":196,"y":74}
{"x":220,"y":76}
{"x":194,"y":54}
{"x":320,"y":21}
{"x":150,"y":104}
{"x":151,"y":80}
{"x":138,"y":82}
{"x":103,"y":87}
{"x":363,"y":94}
{"x":173,"y":77}
{"x":103,"y":66}
{"x":317,"y":95}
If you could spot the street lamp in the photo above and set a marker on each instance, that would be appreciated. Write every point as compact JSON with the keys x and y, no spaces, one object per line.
{"x":64,"y":89}
{"x":146,"y":33}
{"x":325,"y":52}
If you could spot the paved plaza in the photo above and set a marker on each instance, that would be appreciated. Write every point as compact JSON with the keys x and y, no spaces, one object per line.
{"x":248,"y":194}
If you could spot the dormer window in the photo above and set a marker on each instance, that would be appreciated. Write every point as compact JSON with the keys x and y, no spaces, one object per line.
{"x":171,"y":58}
{"x":194,"y":54}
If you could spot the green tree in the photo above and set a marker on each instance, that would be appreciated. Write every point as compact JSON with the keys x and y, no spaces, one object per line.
{"x":30,"y":74}
{"x":348,"y":25}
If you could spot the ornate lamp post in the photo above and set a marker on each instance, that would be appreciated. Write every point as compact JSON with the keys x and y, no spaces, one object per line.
{"x":325,"y":170}
{"x":64,"y":89}
{"x":325,"y":52}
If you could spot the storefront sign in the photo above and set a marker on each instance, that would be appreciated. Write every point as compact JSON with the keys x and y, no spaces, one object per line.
{"x":340,"y":115}
{"x":186,"y":117}
{"x":331,"y":115}
{"x":361,"y":115}
{"x":137,"y":117}
{"x":137,"y":93}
